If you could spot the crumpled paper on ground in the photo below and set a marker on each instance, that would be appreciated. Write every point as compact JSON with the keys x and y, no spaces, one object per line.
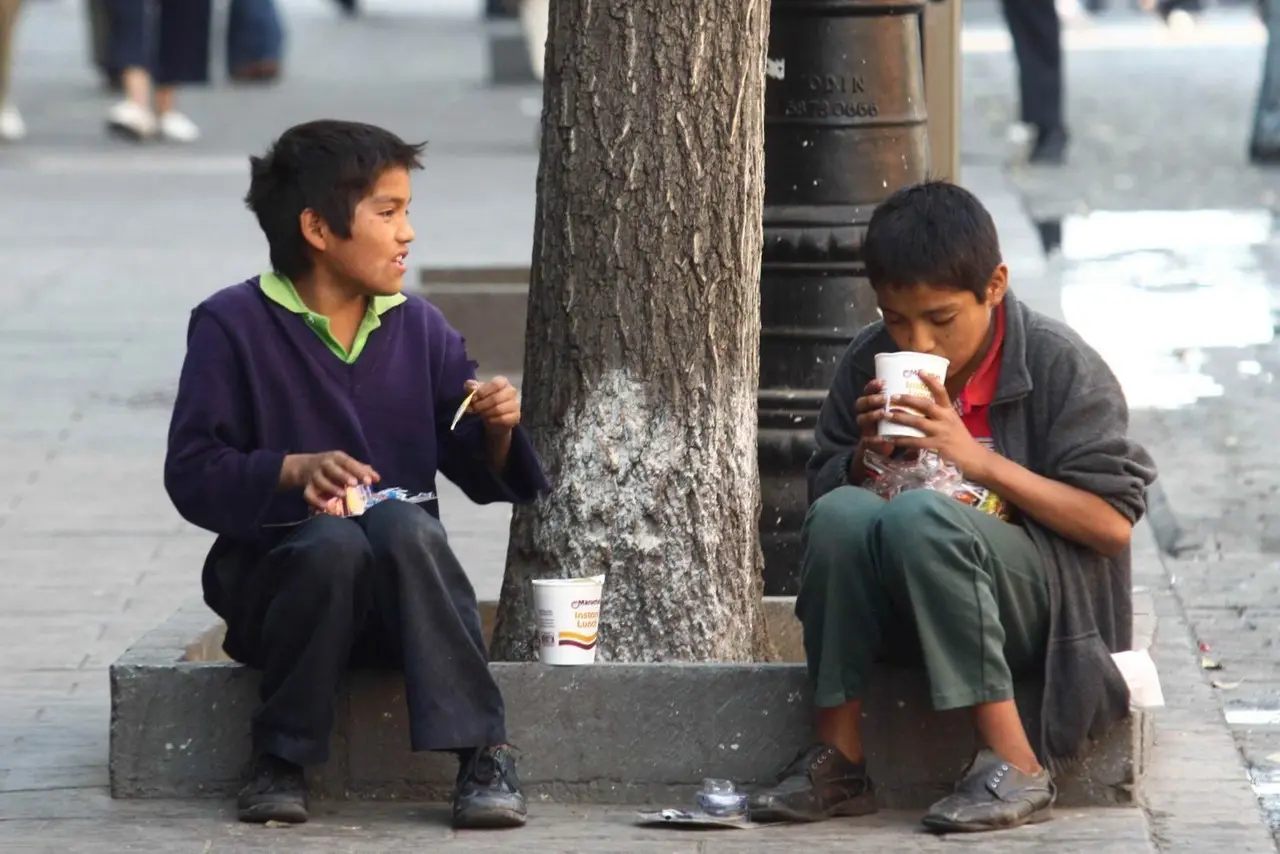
{"x":1140,"y":674}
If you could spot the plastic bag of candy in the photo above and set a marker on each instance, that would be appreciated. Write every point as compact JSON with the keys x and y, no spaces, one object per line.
{"x":891,"y":476}
{"x":359,"y":499}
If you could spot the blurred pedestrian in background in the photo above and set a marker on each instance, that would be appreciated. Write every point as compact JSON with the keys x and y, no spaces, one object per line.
{"x":534,"y":22}
{"x":12,"y":128}
{"x":157,"y":45}
{"x":535,"y":17}
{"x":255,"y":41}
{"x":1264,"y":146}
{"x":1180,"y":14}
{"x":99,"y":12}
{"x":1036,"y":32}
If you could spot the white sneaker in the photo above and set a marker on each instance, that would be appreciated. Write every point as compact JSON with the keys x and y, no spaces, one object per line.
{"x":131,"y":121}
{"x":1181,"y":22}
{"x":1071,"y":12}
{"x":12,"y":128}
{"x":176,"y":127}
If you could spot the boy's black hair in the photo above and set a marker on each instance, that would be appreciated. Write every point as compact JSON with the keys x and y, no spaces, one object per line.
{"x":933,"y":233}
{"x":327,"y":166}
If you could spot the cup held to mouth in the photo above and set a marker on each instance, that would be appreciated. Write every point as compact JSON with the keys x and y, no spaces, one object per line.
{"x":900,"y":373}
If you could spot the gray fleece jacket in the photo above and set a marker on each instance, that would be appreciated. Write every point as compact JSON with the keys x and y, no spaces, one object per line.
{"x":1059,"y":411}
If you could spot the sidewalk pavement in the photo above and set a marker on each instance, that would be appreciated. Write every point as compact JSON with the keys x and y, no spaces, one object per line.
{"x":91,"y":825}
{"x":104,"y":249}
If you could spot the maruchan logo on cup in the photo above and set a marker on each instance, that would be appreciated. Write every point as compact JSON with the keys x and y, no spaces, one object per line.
{"x":584,"y":603}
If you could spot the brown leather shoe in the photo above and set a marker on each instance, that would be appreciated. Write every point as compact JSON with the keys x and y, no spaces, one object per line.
{"x":819,"y":784}
{"x":262,"y":71}
{"x":993,"y":795}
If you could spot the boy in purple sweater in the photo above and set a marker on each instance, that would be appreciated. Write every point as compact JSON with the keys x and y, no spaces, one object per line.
{"x":319,"y":376}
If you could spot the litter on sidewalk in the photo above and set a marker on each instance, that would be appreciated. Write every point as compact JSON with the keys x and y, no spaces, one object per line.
{"x":720,"y":804}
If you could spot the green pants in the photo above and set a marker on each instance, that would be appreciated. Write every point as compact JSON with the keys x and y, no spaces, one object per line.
{"x":921,"y":579}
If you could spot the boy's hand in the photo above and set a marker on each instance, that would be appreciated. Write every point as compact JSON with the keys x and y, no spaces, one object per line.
{"x":943,"y":430}
{"x":496,"y":402}
{"x":870,"y":411}
{"x":324,"y":477}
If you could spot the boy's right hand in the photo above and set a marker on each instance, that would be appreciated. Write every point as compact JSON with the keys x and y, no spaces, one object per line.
{"x":323,"y":477}
{"x":870,"y":411}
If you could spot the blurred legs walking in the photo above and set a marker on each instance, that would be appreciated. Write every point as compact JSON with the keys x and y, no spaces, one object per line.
{"x":12,"y":127}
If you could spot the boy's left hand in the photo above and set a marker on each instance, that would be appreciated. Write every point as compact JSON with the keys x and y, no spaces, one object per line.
{"x":943,"y":430}
{"x":496,"y":402}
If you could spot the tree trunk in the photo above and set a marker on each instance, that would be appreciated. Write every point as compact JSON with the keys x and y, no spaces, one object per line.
{"x":642,"y":353}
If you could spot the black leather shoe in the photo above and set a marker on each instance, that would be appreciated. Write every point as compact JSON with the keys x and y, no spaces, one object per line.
{"x":1050,"y":147}
{"x":819,"y":784}
{"x":488,"y":793}
{"x":1264,"y":154}
{"x":993,"y":795}
{"x":277,"y":792}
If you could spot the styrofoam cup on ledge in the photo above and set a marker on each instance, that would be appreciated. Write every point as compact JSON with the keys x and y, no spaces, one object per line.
{"x":568,"y":618}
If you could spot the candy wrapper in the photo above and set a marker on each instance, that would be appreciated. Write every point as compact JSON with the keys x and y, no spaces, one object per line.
{"x":891,"y":476}
{"x":358,"y":499}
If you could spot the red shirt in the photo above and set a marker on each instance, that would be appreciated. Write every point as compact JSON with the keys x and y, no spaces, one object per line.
{"x":974,"y":402}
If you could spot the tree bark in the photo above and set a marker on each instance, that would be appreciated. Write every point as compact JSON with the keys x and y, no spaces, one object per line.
{"x":642,"y":353}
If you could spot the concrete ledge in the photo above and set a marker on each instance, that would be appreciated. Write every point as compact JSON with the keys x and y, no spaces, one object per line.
{"x":625,"y":733}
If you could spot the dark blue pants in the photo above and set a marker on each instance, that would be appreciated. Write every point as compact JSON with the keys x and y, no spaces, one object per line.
{"x":169,"y":38}
{"x":254,"y":33}
{"x":1266,"y":114}
{"x":384,"y":590}
{"x":1037,"y":44}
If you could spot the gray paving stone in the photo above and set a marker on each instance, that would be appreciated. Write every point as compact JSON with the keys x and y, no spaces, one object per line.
{"x":377,"y":828}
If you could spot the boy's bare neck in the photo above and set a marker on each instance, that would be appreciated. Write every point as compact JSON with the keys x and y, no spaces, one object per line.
{"x":323,"y":294}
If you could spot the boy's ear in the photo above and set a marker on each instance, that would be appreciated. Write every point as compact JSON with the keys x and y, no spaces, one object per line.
{"x":314,"y":229}
{"x":997,"y":285}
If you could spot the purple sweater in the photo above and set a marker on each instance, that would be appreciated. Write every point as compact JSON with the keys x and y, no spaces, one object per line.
{"x":257,"y":384}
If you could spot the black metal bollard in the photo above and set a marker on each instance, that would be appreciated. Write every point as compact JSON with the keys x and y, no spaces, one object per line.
{"x":844,"y":128}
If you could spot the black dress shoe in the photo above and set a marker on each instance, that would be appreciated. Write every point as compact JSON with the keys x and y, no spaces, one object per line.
{"x":488,"y":793}
{"x":1261,"y":154}
{"x":1050,"y":147}
{"x":819,"y":784}
{"x":260,"y":71}
{"x":277,"y":792}
{"x":993,"y":795}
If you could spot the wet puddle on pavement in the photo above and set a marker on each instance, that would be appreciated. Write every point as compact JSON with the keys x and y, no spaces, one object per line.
{"x":1266,"y":785}
{"x":1249,"y":716}
{"x":1264,"y":778}
{"x":1152,"y":291}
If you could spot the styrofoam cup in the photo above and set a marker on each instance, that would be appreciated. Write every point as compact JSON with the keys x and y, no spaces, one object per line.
{"x":568,"y":618}
{"x":900,"y":374}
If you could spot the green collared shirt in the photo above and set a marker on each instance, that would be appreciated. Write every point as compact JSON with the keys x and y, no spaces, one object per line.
{"x":280,"y":290}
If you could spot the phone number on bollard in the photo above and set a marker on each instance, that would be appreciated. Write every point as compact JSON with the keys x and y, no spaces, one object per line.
{"x":818,"y":108}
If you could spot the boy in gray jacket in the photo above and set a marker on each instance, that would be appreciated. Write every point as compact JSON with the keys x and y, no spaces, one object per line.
{"x":1028,"y":413}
